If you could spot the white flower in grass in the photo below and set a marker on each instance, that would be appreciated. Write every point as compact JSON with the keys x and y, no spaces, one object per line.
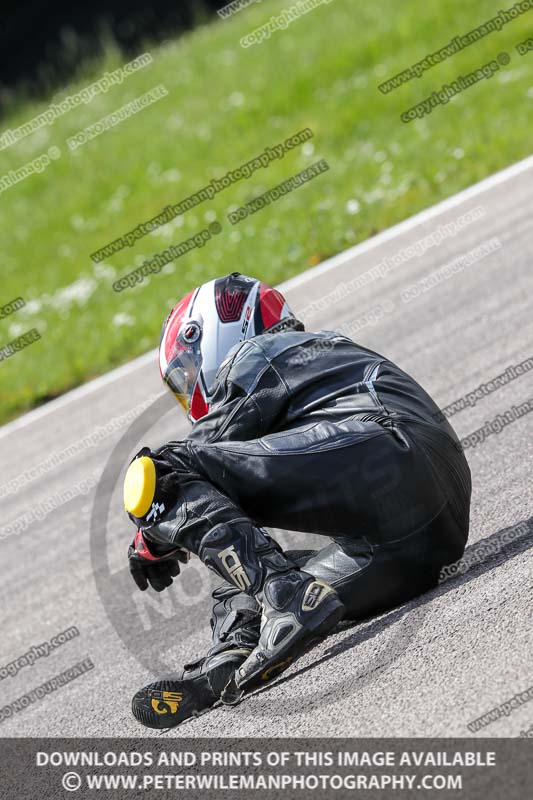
{"x":115,"y":205}
{"x":16,"y":329}
{"x":153,"y":171}
{"x":104,"y":271}
{"x":77,"y":222}
{"x":167,"y":231}
{"x":171,"y":176}
{"x":374,"y":196}
{"x":227,"y":57}
{"x":203,"y":133}
{"x":321,"y":94}
{"x":121,"y":319}
{"x":511,"y":75}
{"x":116,"y":201}
{"x":32,"y":307}
{"x":360,"y":82}
{"x":400,"y":190}
{"x":175,"y":122}
{"x":78,"y":292}
{"x":236,"y":99}
{"x":353,"y":206}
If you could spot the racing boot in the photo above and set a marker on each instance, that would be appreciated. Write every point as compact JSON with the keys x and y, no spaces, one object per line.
{"x":173,"y":699}
{"x":296,"y":608}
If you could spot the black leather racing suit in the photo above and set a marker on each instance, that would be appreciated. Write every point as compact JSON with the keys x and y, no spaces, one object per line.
{"x":312,"y":432}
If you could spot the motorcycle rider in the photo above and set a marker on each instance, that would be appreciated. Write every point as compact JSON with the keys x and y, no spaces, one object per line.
{"x":293,"y":430}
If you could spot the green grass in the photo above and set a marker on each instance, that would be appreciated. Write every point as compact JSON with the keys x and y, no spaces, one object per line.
{"x":225,"y":105}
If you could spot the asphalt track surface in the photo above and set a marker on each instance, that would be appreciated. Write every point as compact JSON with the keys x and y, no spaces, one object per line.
{"x":424,"y":669}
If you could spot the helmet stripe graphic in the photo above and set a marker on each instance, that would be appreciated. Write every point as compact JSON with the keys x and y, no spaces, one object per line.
{"x":230,"y":296}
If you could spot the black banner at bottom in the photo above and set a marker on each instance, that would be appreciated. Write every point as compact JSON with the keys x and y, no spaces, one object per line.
{"x":266,"y":768}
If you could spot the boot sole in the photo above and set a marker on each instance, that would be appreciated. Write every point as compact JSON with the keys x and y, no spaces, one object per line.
{"x":166,"y":704}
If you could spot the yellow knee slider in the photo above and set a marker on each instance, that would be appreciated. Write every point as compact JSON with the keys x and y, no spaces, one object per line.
{"x":139,"y":486}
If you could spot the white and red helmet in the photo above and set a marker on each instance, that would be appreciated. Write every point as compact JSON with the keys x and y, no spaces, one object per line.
{"x":203,"y":327}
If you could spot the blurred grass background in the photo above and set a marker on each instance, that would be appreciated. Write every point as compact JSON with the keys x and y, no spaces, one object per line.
{"x":225,"y":105}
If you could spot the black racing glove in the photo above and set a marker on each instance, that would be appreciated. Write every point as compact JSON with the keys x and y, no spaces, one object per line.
{"x":148,"y":568}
